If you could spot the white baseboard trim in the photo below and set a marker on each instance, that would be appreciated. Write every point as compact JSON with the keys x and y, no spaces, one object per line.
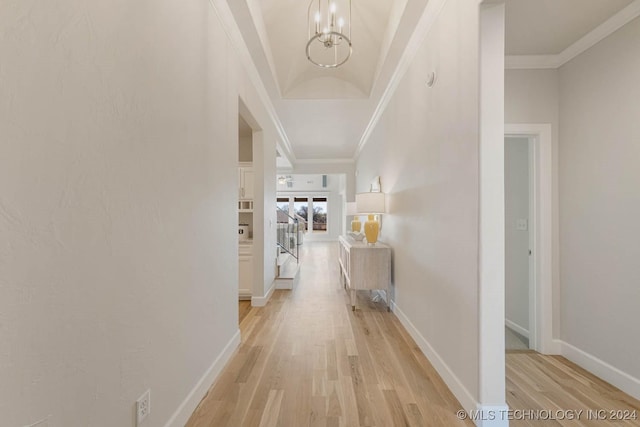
{"x":516,"y":328}
{"x":602,"y":369}
{"x":453,"y":382}
{"x":284,"y":284}
{"x":554,"y":348}
{"x":191,"y":402}
{"x":492,"y":416}
{"x":262,"y":301}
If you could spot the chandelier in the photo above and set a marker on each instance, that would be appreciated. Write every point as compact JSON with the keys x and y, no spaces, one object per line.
{"x":329,"y":44}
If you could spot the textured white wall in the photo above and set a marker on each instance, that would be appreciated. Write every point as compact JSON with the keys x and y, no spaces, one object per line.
{"x":516,"y":159}
{"x":425,"y":149}
{"x":118,"y":130}
{"x":600,"y":199}
{"x":533,"y":96}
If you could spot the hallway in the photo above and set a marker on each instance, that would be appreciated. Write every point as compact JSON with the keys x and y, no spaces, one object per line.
{"x":307,"y":360}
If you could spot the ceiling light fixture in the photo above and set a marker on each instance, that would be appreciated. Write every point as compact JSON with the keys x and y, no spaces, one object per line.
{"x":329,"y":33}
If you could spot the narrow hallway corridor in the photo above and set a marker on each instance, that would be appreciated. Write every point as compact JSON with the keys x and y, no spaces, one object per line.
{"x":307,"y":360}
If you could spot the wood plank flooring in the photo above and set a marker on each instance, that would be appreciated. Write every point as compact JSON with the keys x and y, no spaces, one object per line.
{"x":307,"y":360}
{"x":535,"y":381}
{"x":244,"y":307}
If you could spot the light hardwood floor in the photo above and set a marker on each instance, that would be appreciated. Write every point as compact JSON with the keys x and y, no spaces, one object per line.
{"x":307,"y":360}
{"x":244,"y":307}
{"x":535,"y":381}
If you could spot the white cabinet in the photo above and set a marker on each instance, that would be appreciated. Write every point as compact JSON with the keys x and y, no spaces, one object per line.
{"x":245,"y":273}
{"x":364,"y":266}
{"x":246,"y":181}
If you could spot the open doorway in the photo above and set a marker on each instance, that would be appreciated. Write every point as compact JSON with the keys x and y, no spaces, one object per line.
{"x":245,"y":215}
{"x":519,"y":231}
{"x":528,"y":238}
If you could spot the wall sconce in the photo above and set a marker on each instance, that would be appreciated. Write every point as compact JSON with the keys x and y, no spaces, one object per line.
{"x":372,"y":204}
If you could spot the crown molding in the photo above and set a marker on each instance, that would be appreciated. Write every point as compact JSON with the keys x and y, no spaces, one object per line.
{"x":525,"y":62}
{"x":602,"y":31}
{"x":429,"y":16}
{"x":221,"y":9}
{"x":323,"y":161}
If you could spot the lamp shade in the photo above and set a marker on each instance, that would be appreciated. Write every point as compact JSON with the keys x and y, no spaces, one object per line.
{"x":352,"y":209}
{"x":370,"y":203}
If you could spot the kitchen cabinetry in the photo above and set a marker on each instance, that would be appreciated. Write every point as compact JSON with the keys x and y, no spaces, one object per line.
{"x":363,"y":266}
{"x":245,"y":181}
{"x":245,"y":273}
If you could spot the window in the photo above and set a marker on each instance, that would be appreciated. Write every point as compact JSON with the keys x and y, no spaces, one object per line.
{"x":319,"y":214}
{"x":283,"y":204}
{"x":301,"y":208}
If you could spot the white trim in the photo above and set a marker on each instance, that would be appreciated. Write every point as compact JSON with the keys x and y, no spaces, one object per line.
{"x":191,"y":402}
{"x":221,"y":9}
{"x":285,"y":284}
{"x":323,"y":161}
{"x":429,"y":16}
{"x":602,"y":369}
{"x":492,"y":416}
{"x":491,"y":200}
{"x":516,"y":328}
{"x":262,"y":301}
{"x":586,"y":42}
{"x":541,"y":338}
{"x":453,"y":382}
{"x":601,"y":32}
{"x":533,"y":62}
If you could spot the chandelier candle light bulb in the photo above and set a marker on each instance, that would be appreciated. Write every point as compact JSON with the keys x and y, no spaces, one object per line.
{"x":330,"y":47}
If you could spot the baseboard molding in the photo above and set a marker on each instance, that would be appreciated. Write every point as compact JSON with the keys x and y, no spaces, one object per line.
{"x":191,"y":402}
{"x":287,"y":283}
{"x":516,"y":328}
{"x":492,"y":416}
{"x":453,"y":382}
{"x":602,"y":369}
{"x":554,"y":348}
{"x":262,"y":301}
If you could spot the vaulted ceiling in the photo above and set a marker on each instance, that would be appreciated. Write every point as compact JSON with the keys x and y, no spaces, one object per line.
{"x":285,"y":36}
{"x":325,"y":112}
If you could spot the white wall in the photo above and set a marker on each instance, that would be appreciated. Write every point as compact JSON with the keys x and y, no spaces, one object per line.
{"x":327,"y":167}
{"x":425,"y":149}
{"x":532,"y":96}
{"x":516,"y":159}
{"x":600,"y":200}
{"x":117,"y":192}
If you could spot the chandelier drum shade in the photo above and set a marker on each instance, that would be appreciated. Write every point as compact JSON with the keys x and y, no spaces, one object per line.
{"x":329,"y":32}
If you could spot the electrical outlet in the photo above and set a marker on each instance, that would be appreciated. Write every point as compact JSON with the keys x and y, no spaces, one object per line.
{"x":143,"y":407}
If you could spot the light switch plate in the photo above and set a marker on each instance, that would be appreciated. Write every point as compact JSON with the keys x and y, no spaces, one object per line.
{"x":522,"y":224}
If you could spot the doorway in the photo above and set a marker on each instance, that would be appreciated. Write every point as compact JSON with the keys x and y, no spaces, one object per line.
{"x":537,"y":138}
{"x":519,"y":231}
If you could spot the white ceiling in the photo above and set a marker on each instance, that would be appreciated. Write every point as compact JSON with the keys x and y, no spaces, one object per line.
{"x":284,"y":34}
{"x":547,"y":27}
{"x":325,"y":113}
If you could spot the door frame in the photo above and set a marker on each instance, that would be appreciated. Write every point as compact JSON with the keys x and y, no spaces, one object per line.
{"x":541,"y":196}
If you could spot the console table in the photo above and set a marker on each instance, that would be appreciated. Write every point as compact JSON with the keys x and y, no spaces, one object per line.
{"x":363,"y":266}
